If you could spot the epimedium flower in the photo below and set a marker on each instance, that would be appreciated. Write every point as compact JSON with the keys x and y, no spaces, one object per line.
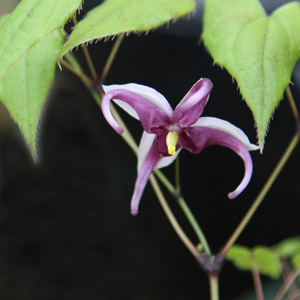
{"x":167,"y":131}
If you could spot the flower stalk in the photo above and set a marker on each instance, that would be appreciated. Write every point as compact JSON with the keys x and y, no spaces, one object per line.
{"x":127,"y":137}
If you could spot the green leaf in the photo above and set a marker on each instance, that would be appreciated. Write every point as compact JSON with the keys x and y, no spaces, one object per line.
{"x":115,"y":17}
{"x":25,"y":86}
{"x":296,"y":261}
{"x":296,"y":264}
{"x":259,"y":51}
{"x":267,"y":261}
{"x":28,"y":23}
{"x":240,"y":256}
{"x":30,"y":39}
{"x":288,"y":247}
{"x":3,"y":18}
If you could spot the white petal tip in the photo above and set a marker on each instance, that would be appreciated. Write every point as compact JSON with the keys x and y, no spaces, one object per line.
{"x":134,"y":212}
{"x":232,"y":195}
{"x":253,"y":147}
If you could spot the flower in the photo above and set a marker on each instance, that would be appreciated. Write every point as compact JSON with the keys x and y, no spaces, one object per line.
{"x":167,"y":131}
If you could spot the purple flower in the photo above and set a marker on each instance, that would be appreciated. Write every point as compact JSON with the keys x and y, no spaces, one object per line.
{"x":167,"y":131}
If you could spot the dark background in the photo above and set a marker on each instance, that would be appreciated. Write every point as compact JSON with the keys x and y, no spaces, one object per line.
{"x":65,"y":227}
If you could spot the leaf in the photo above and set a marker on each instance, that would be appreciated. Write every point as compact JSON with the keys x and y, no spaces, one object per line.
{"x":115,"y":17}
{"x":296,"y":264}
{"x":267,"y":261}
{"x":240,"y":256}
{"x":3,"y":18}
{"x":28,"y":23}
{"x":24,"y":87}
{"x":288,"y":247}
{"x":30,"y":39}
{"x":296,"y":261}
{"x":259,"y":51}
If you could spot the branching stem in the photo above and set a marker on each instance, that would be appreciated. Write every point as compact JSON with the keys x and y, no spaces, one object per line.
{"x":81,"y":75}
{"x":293,"y":143}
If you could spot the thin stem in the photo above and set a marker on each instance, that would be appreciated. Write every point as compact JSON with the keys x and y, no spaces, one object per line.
{"x":286,"y":271}
{"x":87,"y":56}
{"x":213,"y":287}
{"x":81,"y":75}
{"x":111,"y":57}
{"x":186,"y":210}
{"x":256,"y":279}
{"x":165,"y":181}
{"x":292,"y":103}
{"x":183,"y":237}
{"x":261,"y":195}
{"x":193,"y":222}
{"x":177,"y":176}
{"x":286,"y":285}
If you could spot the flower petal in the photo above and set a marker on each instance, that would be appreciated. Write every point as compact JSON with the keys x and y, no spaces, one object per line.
{"x":150,"y":114}
{"x":145,"y":144}
{"x":203,"y":136}
{"x":147,"y":92}
{"x":226,"y":126}
{"x":191,"y":106}
{"x":144,"y":172}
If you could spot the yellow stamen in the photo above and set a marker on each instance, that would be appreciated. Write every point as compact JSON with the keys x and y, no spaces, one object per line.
{"x":171,"y":140}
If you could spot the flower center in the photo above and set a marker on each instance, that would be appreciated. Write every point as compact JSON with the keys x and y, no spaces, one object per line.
{"x":171,"y":140}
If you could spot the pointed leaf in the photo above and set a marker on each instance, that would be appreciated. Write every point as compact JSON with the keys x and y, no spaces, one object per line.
{"x":259,"y":51}
{"x":24,"y":87}
{"x":30,"y":39}
{"x":114,"y":17}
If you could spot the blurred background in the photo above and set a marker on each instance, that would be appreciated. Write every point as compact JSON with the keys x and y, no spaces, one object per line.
{"x":65,"y":227}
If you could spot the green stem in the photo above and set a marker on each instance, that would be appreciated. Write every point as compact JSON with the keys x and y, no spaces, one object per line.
{"x":87,"y":56}
{"x":81,"y":75}
{"x":187,"y":211}
{"x":293,"y":143}
{"x":194,"y":224}
{"x":111,"y":57}
{"x":183,"y":237}
{"x":213,"y":286}
{"x":165,"y":181}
